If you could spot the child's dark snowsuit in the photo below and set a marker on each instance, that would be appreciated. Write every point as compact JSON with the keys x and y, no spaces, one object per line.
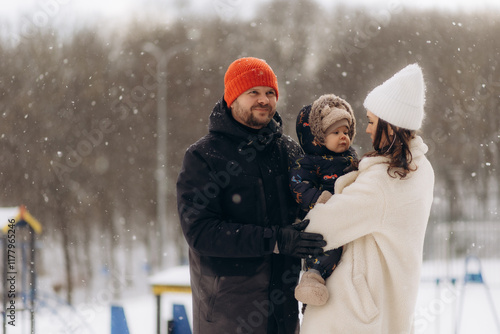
{"x":314,"y":173}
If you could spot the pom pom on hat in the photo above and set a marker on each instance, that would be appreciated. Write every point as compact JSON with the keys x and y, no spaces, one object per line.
{"x":400,"y":100}
{"x":245,"y":73}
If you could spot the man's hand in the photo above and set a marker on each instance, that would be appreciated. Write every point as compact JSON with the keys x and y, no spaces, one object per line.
{"x":293,"y":241}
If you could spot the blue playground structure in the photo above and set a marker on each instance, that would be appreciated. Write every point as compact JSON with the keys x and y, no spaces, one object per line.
{"x":178,"y":325}
{"x":173,"y":280}
{"x":180,"y":322}
{"x":474,"y":277}
{"x":118,"y":321}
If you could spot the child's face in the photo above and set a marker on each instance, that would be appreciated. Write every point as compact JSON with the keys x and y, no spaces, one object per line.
{"x":338,"y":140}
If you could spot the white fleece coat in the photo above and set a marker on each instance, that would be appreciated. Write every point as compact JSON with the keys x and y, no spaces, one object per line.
{"x":381,"y":222}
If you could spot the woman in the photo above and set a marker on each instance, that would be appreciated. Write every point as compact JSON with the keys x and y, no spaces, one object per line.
{"x":379,"y":214}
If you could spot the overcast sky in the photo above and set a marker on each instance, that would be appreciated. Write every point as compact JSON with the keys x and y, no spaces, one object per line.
{"x":29,"y":14}
{"x":115,"y":8}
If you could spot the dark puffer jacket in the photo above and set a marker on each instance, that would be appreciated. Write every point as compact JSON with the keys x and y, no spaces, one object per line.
{"x":232,"y":194}
{"x":319,"y":168}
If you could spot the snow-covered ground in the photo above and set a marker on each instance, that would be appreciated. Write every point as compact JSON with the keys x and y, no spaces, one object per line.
{"x":95,"y":318}
{"x":437,"y":311}
{"x":452,"y":305}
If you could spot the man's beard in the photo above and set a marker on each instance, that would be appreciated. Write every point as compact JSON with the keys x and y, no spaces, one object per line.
{"x":248,"y":117}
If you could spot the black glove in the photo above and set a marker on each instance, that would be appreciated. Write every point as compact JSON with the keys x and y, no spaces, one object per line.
{"x":292,"y":241}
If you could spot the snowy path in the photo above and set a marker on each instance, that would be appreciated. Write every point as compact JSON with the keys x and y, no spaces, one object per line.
{"x":436,"y":312}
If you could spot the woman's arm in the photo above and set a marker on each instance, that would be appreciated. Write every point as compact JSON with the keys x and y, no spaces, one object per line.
{"x":355,"y":212}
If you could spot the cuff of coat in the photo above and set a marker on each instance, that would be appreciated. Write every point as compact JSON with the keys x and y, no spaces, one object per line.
{"x":270,"y":243}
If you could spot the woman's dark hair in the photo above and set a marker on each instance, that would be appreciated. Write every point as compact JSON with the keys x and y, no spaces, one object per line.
{"x":397,"y":149}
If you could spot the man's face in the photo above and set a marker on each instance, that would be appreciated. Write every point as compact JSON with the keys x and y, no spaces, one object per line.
{"x":255,"y":107}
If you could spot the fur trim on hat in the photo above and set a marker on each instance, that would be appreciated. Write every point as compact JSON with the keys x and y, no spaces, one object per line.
{"x":327,"y":110}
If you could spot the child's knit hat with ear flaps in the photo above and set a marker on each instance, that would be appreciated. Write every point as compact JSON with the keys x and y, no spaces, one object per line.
{"x":400,"y":100}
{"x":328,"y":113}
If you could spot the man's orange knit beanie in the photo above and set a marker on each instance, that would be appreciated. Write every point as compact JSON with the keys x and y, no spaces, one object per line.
{"x":245,"y":73}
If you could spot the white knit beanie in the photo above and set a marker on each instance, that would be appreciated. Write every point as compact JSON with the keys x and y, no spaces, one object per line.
{"x":400,"y":100}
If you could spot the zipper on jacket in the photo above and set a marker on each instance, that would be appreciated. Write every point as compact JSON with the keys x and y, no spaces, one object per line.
{"x":261,"y":203}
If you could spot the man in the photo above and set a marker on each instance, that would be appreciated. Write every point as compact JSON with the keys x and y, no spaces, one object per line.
{"x":236,"y":212}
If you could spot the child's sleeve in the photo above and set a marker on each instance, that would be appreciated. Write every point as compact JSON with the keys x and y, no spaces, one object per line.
{"x":304,"y":183}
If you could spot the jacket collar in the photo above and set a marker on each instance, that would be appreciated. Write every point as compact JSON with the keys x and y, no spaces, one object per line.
{"x":222,"y":122}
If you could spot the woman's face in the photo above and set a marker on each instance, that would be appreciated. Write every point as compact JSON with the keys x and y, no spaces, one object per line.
{"x":371,"y":129}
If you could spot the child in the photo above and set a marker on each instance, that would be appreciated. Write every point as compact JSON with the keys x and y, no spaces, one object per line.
{"x":325,"y":131}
